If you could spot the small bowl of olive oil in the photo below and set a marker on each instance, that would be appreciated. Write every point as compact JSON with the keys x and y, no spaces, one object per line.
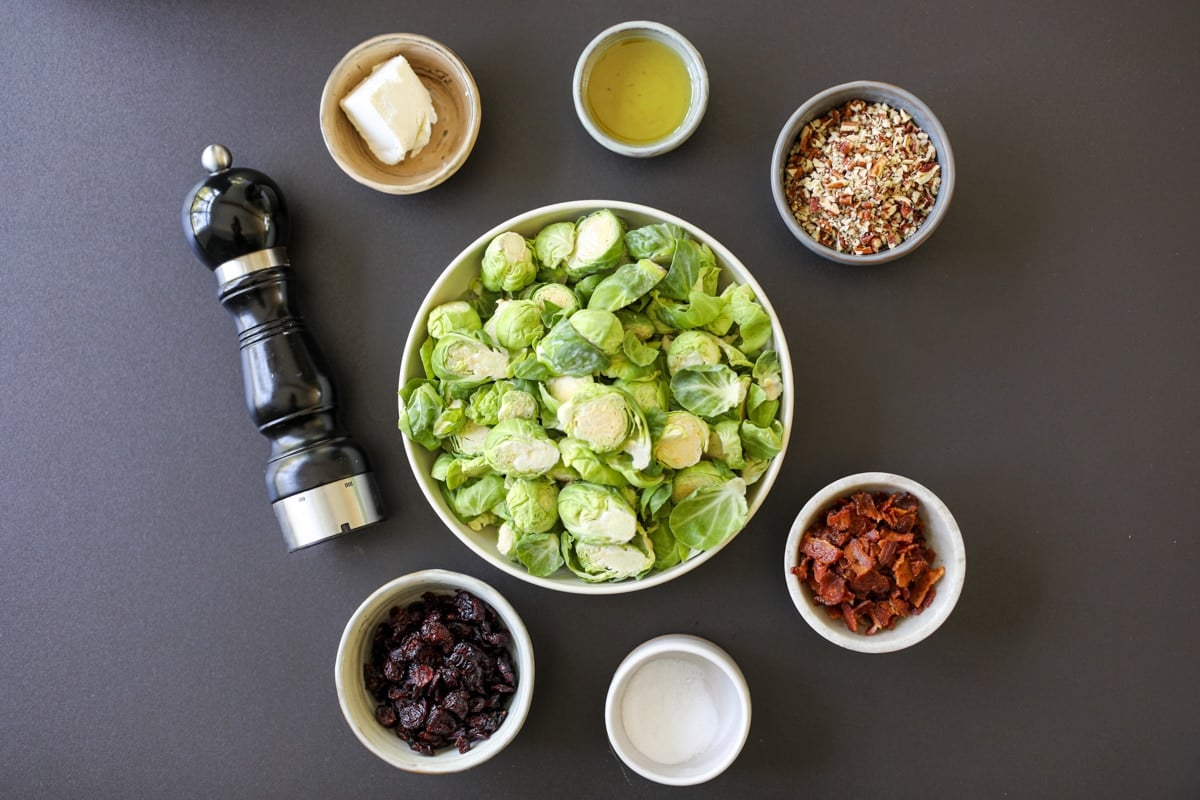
{"x":640,"y":88}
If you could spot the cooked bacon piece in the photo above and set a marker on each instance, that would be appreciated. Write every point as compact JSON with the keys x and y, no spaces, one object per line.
{"x":822,"y":551}
{"x":864,"y":506}
{"x":923,"y":585}
{"x":859,"y":557}
{"x":868,"y":563}
{"x":832,"y":590}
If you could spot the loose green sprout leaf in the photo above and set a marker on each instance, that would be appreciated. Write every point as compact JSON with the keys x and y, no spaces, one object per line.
{"x":687,"y":272}
{"x":420,"y":406}
{"x":708,"y":390}
{"x":626,"y":285}
{"x":700,"y":310}
{"x":540,"y":553}
{"x":725,"y":443}
{"x":762,"y":443}
{"x":710,"y":515}
{"x":477,"y":497}
{"x":655,"y":242}
{"x":564,"y":351}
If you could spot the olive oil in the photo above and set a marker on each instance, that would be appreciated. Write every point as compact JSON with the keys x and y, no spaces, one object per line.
{"x":639,"y":90}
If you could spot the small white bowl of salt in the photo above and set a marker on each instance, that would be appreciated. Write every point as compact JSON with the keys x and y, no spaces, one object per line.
{"x":678,"y":710}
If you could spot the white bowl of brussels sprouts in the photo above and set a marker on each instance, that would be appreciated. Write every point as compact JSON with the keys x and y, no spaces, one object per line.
{"x":596,"y":396}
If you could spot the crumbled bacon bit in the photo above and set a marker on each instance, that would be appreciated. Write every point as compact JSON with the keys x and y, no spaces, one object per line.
{"x":867,"y":561}
{"x":849,"y":202}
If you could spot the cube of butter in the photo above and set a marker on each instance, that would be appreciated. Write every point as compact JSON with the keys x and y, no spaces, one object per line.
{"x":392,"y":111}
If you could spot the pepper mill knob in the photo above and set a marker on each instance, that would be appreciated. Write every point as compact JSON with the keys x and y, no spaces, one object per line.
{"x":233,"y":212}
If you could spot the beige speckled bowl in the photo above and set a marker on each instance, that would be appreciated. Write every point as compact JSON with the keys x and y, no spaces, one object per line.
{"x":455,"y":99}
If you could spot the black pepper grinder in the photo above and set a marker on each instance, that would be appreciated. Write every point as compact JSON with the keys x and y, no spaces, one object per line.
{"x":318,"y":480}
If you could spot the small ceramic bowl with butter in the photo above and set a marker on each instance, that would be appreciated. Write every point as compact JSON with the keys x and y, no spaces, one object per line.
{"x":678,"y":710}
{"x":640,"y":88}
{"x":400,"y":113}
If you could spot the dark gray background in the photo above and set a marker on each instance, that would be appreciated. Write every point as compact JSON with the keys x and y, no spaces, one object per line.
{"x":1034,"y":364}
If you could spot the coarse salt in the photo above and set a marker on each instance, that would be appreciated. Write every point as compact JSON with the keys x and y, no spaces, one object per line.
{"x":668,"y":711}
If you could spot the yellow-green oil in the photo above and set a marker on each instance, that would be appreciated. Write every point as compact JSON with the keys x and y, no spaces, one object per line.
{"x":639,"y":90}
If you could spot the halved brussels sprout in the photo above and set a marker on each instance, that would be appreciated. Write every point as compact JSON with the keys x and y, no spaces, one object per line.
{"x":467,"y":362}
{"x":682,"y":441}
{"x":554,"y":243}
{"x":600,"y":416}
{"x":555,"y":300}
{"x":596,"y":514}
{"x":508,"y":264}
{"x":599,"y":244}
{"x":637,"y":323}
{"x":691,"y":349}
{"x":519,"y":448}
{"x":470,"y":439}
{"x":595,"y":562}
{"x":458,"y":316}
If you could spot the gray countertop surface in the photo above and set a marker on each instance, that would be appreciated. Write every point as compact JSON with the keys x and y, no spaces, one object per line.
{"x":1034,"y":363}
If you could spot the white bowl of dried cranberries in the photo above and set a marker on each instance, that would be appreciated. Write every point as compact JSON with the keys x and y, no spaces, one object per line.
{"x":875,"y":562}
{"x":862,"y":173}
{"x":435,"y":672}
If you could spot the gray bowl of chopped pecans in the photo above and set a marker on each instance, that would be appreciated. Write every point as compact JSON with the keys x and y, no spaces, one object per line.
{"x":875,"y":562}
{"x":862,"y":173}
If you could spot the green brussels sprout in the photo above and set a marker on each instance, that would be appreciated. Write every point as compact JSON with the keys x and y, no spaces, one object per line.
{"x":458,"y":316}
{"x":655,"y":242}
{"x":554,"y":243}
{"x":705,"y":473}
{"x":508,"y":264}
{"x":682,"y":441}
{"x":725,"y":443}
{"x":564,"y":387}
{"x":532,"y":504}
{"x":467,"y":362}
{"x":500,"y":400}
{"x":600,"y":328}
{"x":637,"y":323}
{"x":626,"y":285}
{"x":650,"y":394}
{"x":470,"y":439}
{"x":555,"y":300}
{"x":596,"y":514}
{"x":607,"y":561}
{"x":519,"y":448}
{"x":599,"y":244}
{"x":517,"y":404}
{"x":516,"y":324}
{"x":691,"y":349}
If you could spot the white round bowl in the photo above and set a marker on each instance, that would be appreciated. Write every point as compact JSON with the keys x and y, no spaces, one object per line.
{"x":731,"y":699}
{"x":874,"y":92}
{"x":941,"y":535}
{"x":358,"y":707}
{"x":642,"y":29}
{"x":454,"y":282}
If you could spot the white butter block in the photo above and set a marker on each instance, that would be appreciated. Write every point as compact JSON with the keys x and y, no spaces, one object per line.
{"x":392,"y":111}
